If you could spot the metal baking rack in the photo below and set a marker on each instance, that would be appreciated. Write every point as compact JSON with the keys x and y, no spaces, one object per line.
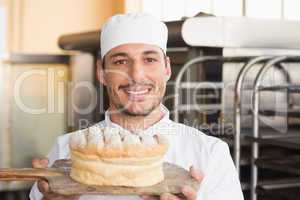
{"x":188,"y":85}
{"x":291,"y":140}
{"x":282,"y":141}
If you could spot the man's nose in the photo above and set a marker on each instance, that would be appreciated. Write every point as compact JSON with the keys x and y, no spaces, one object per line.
{"x":137,"y":72}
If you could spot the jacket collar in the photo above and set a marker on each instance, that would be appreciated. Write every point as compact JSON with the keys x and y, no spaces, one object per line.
{"x":151,"y":130}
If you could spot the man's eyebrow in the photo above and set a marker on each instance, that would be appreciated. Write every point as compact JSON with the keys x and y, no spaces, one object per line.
{"x":150,"y":52}
{"x":118,"y":54}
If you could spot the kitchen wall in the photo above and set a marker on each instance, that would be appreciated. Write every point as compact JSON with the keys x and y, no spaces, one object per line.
{"x":274,"y":9}
{"x":35,"y":25}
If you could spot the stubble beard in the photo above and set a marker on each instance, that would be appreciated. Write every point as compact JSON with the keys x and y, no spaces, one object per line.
{"x":123,"y":109}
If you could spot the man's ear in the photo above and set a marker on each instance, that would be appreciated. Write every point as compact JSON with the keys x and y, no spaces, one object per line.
{"x":100,"y":72}
{"x":168,"y":68}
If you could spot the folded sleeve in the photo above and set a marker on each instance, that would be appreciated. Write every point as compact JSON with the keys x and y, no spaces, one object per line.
{"x":221,"y":180}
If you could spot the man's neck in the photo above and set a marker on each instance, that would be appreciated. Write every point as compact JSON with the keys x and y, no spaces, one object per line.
{"x":135,"y":123}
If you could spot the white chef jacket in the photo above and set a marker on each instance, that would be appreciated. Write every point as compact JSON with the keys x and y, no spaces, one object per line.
{"x":188,"y":146}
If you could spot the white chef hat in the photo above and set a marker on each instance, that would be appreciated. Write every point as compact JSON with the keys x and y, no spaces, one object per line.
{"x":133,"y":28}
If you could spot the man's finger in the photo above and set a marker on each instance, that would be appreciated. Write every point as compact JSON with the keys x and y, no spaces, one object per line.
{"x":189,"y":193}
{"x":145,"y":197}
{"x":196,"y":174}
{"x":53,"y":196}
{"x":40,"y":163}
{"x":43,"y":186}
{"x":45,"y":162}
{"x":168,"y":196}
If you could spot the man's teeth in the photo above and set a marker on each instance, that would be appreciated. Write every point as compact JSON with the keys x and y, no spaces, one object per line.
{"x":137,"y":92}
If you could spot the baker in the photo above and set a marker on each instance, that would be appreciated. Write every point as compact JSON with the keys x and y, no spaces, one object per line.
{"x":135,"y":69}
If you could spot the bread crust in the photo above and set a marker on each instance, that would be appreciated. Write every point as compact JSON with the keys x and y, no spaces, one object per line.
{"x":138,"y":151}
{"x":109,"y":158}
{"x":134,"y":172}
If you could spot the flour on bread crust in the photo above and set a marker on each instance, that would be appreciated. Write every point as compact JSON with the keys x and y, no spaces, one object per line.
{"x":111,"y":142}
{"x":117,"y":158}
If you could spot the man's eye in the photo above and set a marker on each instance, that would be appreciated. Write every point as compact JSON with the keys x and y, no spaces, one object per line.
{"x":150,"y":60}
{"x":120,"y":62}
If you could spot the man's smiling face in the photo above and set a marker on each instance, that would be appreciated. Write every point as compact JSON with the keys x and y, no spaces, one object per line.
{"x":135,"y":76}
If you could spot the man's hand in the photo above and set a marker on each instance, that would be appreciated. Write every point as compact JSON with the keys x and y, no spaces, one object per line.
{"x":188,"y":192}
{"x":43,"y":186}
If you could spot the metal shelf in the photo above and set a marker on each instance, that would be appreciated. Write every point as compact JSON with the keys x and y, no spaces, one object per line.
{"x":292,"y":142}
{"x":287,"y":164}
{"x":271,"y":185}
{"x":290,"y":112}
{"x":278,"y":184}
{"x":201,"y":85}
{"x":289,"y":88}
{"x":199,"y":107}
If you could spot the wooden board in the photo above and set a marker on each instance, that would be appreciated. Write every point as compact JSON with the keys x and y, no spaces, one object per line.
{"x":61,"y":183}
